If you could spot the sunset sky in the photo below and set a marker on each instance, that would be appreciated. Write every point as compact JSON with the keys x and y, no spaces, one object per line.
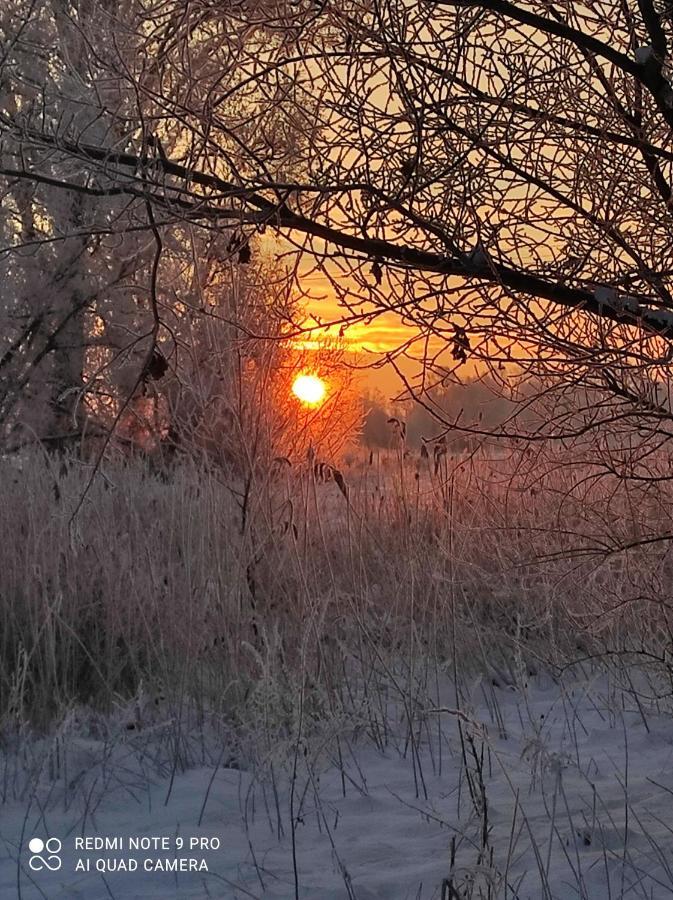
{"x":369,"y":342}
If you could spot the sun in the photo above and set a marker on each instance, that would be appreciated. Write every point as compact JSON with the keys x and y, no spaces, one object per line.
{"x":309,"y":389}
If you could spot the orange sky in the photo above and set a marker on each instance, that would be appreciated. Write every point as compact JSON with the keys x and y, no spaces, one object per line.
{"x":369,"y":342}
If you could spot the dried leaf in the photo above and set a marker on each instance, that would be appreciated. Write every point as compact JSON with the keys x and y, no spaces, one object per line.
{"x":461,"y":344}
{"x":156,"y":367}
{"x":340,"y":482}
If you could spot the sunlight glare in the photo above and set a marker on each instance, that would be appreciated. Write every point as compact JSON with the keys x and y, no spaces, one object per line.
{"x":309,"y":389}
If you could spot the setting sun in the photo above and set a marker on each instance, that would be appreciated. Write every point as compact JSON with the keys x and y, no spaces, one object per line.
{"x":309,"y":389}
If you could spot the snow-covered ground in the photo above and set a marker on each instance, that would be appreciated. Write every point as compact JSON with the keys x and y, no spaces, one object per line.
{"x":554,"y":791}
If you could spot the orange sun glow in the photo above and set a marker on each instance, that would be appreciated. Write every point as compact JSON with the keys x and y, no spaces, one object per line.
{"x":309,"y":389}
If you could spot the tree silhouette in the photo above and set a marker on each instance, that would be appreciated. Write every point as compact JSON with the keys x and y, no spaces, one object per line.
{"x":497,"y":174}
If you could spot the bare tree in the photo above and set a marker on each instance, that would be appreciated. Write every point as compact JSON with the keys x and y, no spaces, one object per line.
{"x":69,"y":263}
{"x":94,"y":270}
{"x":497,"y":174}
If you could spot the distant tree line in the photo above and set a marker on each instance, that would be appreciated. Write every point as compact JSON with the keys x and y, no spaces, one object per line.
{"x":478,"y":403}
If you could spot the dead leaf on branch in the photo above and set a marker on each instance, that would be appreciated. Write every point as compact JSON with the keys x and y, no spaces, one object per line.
{"x":238,"y":243}
{"x":156,"y":366}
{"x":460,"y":345}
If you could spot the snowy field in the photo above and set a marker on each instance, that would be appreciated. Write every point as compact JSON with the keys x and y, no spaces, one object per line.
{"x":554,"y":791}
{"x":409,"y":689}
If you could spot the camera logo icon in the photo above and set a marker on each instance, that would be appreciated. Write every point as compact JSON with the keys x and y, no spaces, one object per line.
{"x":45,"y":854}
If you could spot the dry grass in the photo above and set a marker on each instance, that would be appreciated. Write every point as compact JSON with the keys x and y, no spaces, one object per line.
{"x":156,"y":583}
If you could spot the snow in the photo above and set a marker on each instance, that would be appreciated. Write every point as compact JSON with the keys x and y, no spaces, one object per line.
{"x":477,"y":258}
{"x":569,"y":770}
{"x":660,"y":318}
{"x":606,"y":295}
{"x":631,"y":304}
{"x":654,"y":318}
{"x":644,"y":55}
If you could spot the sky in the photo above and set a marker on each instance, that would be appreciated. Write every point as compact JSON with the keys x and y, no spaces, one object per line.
{"x":369,"y":341}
